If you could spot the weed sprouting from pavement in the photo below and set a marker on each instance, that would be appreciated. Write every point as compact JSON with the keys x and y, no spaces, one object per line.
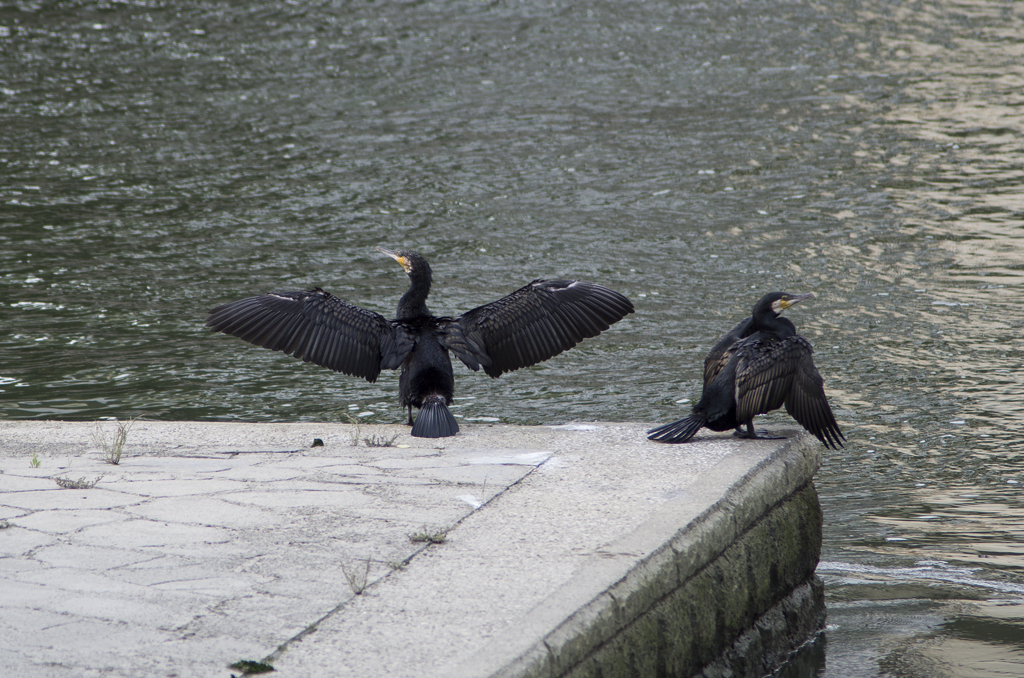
{"x":439,"y":537}
{"x":354,"y":434}
{"x":112,"y":450}
{"x":380,"y":440}
{"x":251,"y":668}
{"x":80,"y":484}
{"x":357,"y":577}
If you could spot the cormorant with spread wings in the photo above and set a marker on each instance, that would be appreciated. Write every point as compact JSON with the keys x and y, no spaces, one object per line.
{"x":759,"y":366}
{"x":534,"y":323}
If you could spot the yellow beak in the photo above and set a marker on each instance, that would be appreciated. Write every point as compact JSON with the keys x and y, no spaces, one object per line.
{"x":402,"y":261}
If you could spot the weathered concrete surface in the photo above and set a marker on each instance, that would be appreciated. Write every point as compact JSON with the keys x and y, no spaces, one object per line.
{"x":578,"y":550}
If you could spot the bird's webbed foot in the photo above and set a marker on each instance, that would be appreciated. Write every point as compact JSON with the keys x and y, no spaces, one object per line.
{"x":751,"y":434}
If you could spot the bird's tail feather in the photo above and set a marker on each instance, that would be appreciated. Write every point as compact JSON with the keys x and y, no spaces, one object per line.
{"x":678,"y":431}
{"x":435,"y":420}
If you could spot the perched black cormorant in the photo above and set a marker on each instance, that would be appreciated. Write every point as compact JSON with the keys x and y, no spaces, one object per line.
{"x":759,"y":366}
{"x":530,"y":325}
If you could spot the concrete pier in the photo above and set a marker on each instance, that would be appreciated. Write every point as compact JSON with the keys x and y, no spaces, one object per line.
{"x":576,"y":550}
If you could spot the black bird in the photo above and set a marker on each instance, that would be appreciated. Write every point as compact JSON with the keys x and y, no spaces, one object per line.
{"x":534,"y":323}
{"x":759,"y":366}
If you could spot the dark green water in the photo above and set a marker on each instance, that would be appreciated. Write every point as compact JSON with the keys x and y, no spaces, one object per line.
{"x":158,"y":160}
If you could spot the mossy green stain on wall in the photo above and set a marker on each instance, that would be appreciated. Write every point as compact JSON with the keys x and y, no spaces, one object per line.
{"x":697,"y":622}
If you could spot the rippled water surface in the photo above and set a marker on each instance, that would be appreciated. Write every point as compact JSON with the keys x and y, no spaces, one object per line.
{"x":158,"y":160}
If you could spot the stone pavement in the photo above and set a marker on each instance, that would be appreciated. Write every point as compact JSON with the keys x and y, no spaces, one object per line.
{"x":213,"y":543}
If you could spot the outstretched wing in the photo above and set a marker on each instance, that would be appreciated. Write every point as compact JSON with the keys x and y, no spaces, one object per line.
{"x":808,"y":405}
{"x":534,"y":323}
{"x":719,"y":355}
{"x":764,"y":373}
{"x":316,"y":327}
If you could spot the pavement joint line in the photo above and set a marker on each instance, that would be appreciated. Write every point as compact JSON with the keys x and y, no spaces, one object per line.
{"x":283,"y":647}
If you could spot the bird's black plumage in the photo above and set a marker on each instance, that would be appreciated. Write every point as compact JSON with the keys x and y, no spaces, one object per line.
{"x":758,"y":366}
{"x":534,"y":323}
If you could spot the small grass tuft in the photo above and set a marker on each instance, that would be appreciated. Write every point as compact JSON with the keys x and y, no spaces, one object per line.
{"x":355,"y":434}
{"x":439,"y":537}
{"x":35,"y":463}
{"x":380,"y":441}
{"x":80,"y":484}
{"x":357,"y":577}
{"x":112,"y":450}
{"x":251,"y":668}
{"x":4,"y":524}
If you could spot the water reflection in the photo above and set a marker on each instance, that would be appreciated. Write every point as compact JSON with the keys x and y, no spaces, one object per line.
{"x":930,"y":620}
{"x":921,"y":638}
{"x":955,"y":176}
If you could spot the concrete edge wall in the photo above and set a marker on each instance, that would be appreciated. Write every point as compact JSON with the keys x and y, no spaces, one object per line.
{"x":775,"y":637}
{"x":707,"y":577}
{"x":741,"y":615}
